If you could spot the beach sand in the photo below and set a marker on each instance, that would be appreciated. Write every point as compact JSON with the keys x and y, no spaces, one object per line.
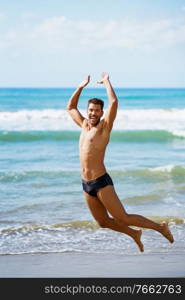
{"x":78,"y":265}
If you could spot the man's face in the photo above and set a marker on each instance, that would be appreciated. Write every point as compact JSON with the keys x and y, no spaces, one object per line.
{"x":94,"y":113}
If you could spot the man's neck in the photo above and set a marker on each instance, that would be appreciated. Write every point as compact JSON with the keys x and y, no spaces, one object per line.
{"x":91,"y":125}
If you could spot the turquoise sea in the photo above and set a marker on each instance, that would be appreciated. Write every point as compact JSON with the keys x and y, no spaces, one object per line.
{"x":42,"y":208}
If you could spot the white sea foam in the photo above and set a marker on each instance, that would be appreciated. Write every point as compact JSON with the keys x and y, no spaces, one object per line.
{"x":180,"y":133}
{"x":172,"y":120}
{"x":167,"y":168}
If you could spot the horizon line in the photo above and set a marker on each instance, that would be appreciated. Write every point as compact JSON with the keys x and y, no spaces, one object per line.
{"x":74,"y":87}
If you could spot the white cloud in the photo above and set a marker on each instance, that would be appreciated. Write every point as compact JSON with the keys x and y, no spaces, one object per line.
{"x":59,"y":33}
{"x":126,"y":34}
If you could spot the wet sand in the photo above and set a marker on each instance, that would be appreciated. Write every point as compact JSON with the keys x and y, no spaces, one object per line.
{"x":78,"y":265}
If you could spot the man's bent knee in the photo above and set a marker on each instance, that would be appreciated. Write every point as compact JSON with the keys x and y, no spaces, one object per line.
{"x":123,"y":220}
{"x":104,"y":223}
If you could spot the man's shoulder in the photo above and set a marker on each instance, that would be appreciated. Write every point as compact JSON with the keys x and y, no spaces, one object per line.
{"x":85,"y":121}
{"x":105,"y":126}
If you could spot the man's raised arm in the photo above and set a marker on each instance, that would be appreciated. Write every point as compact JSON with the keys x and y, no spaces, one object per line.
{"x":111,"y":112}
{"x":73,"y":103}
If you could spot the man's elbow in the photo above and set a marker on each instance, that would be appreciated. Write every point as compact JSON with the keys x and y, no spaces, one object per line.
{"x":115,"y":102}
{"x":69,"y":107}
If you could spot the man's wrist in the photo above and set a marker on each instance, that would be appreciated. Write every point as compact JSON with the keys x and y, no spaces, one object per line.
{"x":106,"y":81}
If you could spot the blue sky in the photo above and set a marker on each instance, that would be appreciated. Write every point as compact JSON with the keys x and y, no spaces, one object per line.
{"x":56,"y":43}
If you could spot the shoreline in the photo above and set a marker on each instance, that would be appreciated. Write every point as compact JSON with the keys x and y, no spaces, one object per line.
{"x":97,"y":265}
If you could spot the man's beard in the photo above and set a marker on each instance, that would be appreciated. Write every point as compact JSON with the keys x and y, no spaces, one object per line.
{"x":94,"y":122}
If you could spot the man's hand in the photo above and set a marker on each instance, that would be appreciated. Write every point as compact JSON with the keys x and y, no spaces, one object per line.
{"x":105,"y":76}
{"x":84,"y":82}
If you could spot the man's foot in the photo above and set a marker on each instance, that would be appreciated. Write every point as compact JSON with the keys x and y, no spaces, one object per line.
{"x":137,"y":239}
{"x":165,"y":231}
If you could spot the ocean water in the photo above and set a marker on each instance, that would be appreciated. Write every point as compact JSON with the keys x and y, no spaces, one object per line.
{"x":42,"y":208}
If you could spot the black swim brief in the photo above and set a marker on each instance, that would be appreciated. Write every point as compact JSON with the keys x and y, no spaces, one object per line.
{"x":93,"y":186}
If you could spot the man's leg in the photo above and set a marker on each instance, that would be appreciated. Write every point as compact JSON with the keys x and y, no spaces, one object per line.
{"x":110,"y":200}
{"x":100,"y":214}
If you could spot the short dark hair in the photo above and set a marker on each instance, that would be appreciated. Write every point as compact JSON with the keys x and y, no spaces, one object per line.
{"x":96,"y":101}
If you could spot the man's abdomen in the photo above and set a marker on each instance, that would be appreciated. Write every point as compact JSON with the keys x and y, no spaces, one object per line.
{"x":92,"y":166}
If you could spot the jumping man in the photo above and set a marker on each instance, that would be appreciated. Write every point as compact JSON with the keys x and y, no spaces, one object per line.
{"x":97,"y":185}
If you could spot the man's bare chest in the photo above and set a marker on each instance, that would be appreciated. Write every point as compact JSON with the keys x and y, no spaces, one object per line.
{"x":93,"y":138}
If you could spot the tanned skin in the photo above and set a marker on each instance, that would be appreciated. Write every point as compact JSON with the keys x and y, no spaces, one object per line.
{"x":94,"y":139}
